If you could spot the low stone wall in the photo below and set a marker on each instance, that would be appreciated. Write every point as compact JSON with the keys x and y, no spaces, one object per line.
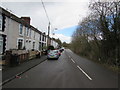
{"x":22,"y":55}
{"x":32,"y":54}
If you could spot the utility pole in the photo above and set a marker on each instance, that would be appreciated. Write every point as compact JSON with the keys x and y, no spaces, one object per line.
{"x":48,"y":40}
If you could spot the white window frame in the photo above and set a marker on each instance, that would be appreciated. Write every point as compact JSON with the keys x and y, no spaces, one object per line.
{"x":22,"y":30}
{"x":34,"y":35}
{"x":27,"y":31}
{"x":18,"y":40}
{"x":30,"y":32}
{"x":0,"y":24}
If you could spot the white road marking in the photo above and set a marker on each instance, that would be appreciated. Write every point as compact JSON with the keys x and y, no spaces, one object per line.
{"x":72,"y":60}
{"x":0,"y":69}
{"x":84,"y":73}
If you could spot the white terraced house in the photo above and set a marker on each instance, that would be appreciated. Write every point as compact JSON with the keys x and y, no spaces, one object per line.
{"x":17,"y":33}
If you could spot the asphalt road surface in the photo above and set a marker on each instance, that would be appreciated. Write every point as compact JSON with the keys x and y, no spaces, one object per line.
{"x":69,"y":71}
{"x":0,"y":74}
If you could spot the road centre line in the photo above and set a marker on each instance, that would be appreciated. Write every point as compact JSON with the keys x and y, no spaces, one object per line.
{"x":72,"y":60}
{"x":84,"y":73}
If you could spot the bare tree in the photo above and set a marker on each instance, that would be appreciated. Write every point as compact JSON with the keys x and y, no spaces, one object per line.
{"x":99,"y":33}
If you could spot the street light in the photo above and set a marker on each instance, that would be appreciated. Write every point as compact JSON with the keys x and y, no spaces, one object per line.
{"x":54,"y":30}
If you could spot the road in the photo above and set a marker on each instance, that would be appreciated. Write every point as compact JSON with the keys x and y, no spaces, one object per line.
{"x":70,"y":71}
{"x":0,"y":75}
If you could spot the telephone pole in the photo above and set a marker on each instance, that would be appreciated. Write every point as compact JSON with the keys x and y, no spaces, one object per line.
{"x":48,"y":40}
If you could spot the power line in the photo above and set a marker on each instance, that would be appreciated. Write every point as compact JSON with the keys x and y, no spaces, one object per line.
{"x":45,"y":11}
{"x":50,"y":24}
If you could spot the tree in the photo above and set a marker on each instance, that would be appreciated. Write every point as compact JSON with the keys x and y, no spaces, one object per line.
{"x":50,"y":47}
{"x":98,"y":35}
{"x":109,"y":18}
{"x":58,"y":41}
{"x":66,"y":45}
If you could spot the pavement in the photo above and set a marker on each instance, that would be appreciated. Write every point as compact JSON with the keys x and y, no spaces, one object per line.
{"x":9,"y":73}
{"x":69,"y":71}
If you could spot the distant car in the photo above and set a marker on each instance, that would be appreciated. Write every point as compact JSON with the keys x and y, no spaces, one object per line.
{"x":61,"y":49}
{"x":53,"y":54}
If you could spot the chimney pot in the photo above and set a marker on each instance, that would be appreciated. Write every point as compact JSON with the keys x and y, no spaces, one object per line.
{"x":26,"y":19}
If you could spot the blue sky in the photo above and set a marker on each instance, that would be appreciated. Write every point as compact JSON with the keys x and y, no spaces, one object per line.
{"x":65,"y":34}
{"x":66,"y":31}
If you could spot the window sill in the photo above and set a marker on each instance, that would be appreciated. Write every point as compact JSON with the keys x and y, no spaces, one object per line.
{"x":21,"y":35}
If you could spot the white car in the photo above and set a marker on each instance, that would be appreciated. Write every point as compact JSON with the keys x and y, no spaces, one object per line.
{"x":53,"y":54}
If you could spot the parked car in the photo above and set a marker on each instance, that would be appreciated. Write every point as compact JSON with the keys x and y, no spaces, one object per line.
{"x":61,"y":49}
{"x":53,"y":54}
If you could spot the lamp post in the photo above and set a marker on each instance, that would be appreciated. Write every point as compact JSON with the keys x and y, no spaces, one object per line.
{"x":53,"y":33}
{"x":54,"y":30}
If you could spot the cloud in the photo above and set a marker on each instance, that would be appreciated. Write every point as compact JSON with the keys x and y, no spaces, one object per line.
{"x":67,"y":14}
{"x":44,"y":0}
{"x":63,"y":38}
{"x":62,"y":13}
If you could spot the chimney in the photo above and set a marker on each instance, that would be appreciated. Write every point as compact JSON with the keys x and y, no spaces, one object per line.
{"x":26,"y":19}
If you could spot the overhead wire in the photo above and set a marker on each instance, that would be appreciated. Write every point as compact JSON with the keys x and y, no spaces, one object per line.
{"x":45,"y":11}
{"x":50,"y":24}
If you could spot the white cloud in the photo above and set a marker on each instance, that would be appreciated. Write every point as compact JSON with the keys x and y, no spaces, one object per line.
{"x":67,"y":14}
{"x":62,"y":37}
{"x":62,"y":15}
{"x":44,"y":0}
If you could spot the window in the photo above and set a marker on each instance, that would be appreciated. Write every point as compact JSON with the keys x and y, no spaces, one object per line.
{"x":0,"y":24}
{"x":34,"y":35}
{"x":33,"y":45}
{"x":27,"y":31}
{"x":40,"y":37}
{"x":20,"y":43}
{"x":43,"y":38}
{"x":21,"y":29}
{"x":1,"y":44}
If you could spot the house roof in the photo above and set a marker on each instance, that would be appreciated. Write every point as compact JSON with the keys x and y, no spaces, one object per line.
{"x":17,"y":19}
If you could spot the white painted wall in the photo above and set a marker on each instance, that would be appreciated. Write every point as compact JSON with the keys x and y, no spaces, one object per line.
{"x":12,"y":32}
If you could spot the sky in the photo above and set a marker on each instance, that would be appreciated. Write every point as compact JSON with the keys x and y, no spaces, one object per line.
{"x":63,"y":14}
